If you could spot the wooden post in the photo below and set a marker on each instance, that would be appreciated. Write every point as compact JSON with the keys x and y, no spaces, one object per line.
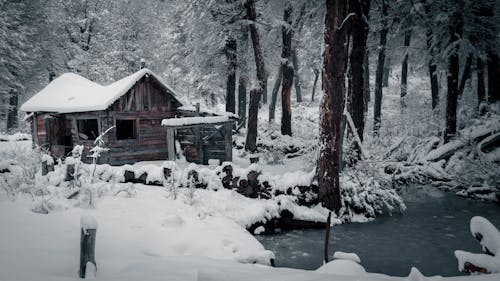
{"x":47,"y":166}
{"x":88,"y":230}
{"x":70,"y":172}
{"x":170,"y":144}
{"x":327,"y":236}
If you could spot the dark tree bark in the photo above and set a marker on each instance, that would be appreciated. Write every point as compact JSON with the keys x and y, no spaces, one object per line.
{"x":359,"y":34}
{"x":288,"y":70}
{"x":230,"y":50}
{"x":481,"y":90}
{"x":12,"y":111}
{"x":334,"y":69}
{"x":242,"y":99}
{"x":387,"y":71}
{"x":404,"y":67}
{"x":455,"y":29}
{"x":465,"y":75}
{"x":251,"y":140}
{"x":296,"y":81}
{"x":380,"y":69}
{"x":366,"y":73}
{"x":432,"y":60}
{"x":493,"y":76}
{"x":274,"y":94}
{"x":316,"y":76}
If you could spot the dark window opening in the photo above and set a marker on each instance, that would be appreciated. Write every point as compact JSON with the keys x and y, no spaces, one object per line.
{"x":88,"y":129}
{"x":125,"y":129}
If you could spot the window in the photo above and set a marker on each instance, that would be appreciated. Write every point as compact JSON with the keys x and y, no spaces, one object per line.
{"x":88,"y":129}
{"x":125,"y":129}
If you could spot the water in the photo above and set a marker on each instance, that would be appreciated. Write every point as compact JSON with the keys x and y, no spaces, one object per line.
{"x":434,"y":225}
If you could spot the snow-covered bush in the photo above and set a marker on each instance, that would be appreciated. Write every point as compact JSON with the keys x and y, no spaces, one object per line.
{"x":364,"y":196}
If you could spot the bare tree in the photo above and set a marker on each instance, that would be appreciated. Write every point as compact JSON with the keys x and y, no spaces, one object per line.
{"x":380,"y":68}
{"x":334,"y":70}
{"x":230,"y":50}
{"x":255,"y":94}
{"x":287,"y":67}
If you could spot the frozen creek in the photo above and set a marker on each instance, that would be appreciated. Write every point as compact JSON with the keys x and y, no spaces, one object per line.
{"x":435,"y":224}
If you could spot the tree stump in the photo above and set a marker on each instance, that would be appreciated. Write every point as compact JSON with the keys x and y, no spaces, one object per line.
{"x":70,"y":172}
{"x":88,"y":230}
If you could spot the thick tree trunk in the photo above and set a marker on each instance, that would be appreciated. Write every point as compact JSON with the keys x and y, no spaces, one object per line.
{"x":316,"y":76}
{"x":359,"y":34}
{"x":274,"y":94}
{"x":231,"y":75}
{"x":288,"y":70}
{"x":493,"y":76}
{"x":465,"y":75}
{"x":455,"y":29}
{"x":404,"y":68}
{"x":296,"y":81}
{"x":366,"y":73}
{"x":481,"y":90}
{"x":251,"y":141}
{"x":380,"y":70}
{"x":334,"y":69}
{"x":255,"y":95}
{"x":387,"y":71}
{"x":12,"y":111}
{"x":432,"y":61}
{"x":242,"y":99}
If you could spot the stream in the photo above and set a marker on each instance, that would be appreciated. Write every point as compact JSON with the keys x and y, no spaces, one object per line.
{"x":435,"y":224}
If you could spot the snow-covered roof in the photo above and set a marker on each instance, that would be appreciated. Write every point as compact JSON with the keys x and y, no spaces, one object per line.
{"x":186,"y":121}
{"x":71,"y":92}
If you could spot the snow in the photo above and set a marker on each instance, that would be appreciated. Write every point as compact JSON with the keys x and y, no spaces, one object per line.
{"x":71,"y":92}
{"x":489,"y":237}
{"x":346,"y":256}
{"x":184,"y":121}
{"x":208,"y":111}
{"x":87,"y":222}
{"x":342,"y":267}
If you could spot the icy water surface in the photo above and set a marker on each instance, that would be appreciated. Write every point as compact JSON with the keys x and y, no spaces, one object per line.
{"x":434,"y":225}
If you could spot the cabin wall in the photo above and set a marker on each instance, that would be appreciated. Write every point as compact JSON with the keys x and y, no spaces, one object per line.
{"x":200,"y":143}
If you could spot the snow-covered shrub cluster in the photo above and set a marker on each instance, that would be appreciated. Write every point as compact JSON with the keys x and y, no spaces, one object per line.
{"x":364,"y":197}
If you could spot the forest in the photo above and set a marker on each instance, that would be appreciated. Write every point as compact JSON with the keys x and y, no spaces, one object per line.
{"x":347,"y":111}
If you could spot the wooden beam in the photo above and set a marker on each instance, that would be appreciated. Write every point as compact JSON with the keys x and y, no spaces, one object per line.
{"x":171,"y":143}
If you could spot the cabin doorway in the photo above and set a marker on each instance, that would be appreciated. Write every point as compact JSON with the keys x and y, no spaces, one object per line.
{"x":58,"y":135}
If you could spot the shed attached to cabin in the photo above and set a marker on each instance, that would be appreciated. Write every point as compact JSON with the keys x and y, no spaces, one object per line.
{"x":73,"y":110}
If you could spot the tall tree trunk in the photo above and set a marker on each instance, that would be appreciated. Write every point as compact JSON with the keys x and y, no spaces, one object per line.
{"x":296,"y":81}
{"x":432,"y":72}
{"x":231,"y":75}
{"x":274,"y":94}
{"x":332,"y":107}
{"x":242,"y":99}
{"x":288,"y":70}
{"x":387,"y":72}
{"x":316,"y":76}
{"x":404,"y":67}
{"x":251,"y":140}
{"x":12,"y":111}
{"x":455,"y":29}
{"x":465,"y":75}
{"x":493,"y":76}
{"x":366,"y":73}
{"x":380,"y":70}
{"x":243,"y":77}
{"x":432,"y":60}
{"x":359,"y":34}
{"x":481,"y":91}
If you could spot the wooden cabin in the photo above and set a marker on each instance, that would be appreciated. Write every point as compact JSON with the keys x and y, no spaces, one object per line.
{"x":73,"y":110}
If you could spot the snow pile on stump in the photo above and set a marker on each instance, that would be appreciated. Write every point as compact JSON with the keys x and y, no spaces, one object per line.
{"x":489,"y":238}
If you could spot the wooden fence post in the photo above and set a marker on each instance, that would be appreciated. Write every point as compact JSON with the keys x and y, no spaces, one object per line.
{"x":88,"y":230}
